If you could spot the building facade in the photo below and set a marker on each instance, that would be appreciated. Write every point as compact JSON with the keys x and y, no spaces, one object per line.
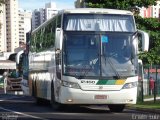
{"x":151,"y":11}
{"x":3,"y":46}
{"x":24,"y":25}
{"x":42,"y":14}
{"x":50,"y":10}
{"x":80,"y":4}
{"x":12,"y":25}
{"x":36,"y":19}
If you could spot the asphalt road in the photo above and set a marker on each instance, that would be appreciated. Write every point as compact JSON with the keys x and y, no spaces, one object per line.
{"x":21,"y":107}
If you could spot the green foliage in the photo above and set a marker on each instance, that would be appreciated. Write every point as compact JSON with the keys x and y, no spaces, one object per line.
{"x":44,"y":38}
{"x":119,"y":4}
{"x":150,"y":105}
{"x":152,"y":26}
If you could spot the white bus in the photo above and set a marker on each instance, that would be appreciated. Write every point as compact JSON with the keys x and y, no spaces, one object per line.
{"x":86,"y":56}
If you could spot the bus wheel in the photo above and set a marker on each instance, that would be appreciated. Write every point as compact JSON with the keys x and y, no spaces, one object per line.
{"x":116,"y":107}
{"x":40,"y":101}
{"x":55,"y":105}
{"x":33,"y":89}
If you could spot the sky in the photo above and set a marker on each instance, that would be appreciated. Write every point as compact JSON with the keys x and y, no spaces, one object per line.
{"x":35,"y":4}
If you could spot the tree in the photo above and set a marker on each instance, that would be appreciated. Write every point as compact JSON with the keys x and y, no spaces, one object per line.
{"x":152,"y":26}
{"x":119,"y":4}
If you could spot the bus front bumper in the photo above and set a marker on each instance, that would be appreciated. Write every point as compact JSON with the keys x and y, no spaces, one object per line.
{"x":78,"y":96}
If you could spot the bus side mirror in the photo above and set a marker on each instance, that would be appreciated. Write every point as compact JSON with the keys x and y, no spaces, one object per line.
{"x":58,"y":39}
{"x":144,"y":40}
{"x":18,"y":56}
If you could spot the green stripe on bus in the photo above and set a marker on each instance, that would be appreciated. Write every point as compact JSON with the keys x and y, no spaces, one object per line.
{"x":102,"y":82}
{"x":106,"y":82}
{"x":111,"y":82}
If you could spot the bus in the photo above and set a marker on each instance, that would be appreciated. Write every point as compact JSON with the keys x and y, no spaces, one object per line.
{"x":86,"y":56}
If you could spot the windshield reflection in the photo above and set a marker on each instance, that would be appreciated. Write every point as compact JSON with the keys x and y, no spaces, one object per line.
{"x":117,"y":55}
{"x":88,"y":55}
{"x":81,"y":55}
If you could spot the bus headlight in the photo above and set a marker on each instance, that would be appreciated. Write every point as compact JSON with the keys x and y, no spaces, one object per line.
{"x":70,"y":84}
{"x":130,"y":85}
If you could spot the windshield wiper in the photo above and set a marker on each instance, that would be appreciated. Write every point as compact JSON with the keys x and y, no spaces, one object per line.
{"x":113,"y":68}
{"x":79,"y":76}
{"x":84,"y":74}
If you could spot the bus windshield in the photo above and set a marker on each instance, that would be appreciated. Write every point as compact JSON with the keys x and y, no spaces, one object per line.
{"x":107,"y":55}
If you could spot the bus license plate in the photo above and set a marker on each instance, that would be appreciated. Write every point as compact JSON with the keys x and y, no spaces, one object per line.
{"x":100,"y":97}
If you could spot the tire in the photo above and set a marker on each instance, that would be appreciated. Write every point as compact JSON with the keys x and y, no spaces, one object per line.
{"x":116,"y":107}
{"x":33,"y":89}
{"x":55,"y":105}
{"x":40,"y":101}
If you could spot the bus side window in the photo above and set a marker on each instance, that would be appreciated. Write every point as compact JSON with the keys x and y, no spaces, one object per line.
{"x":58,"y":21}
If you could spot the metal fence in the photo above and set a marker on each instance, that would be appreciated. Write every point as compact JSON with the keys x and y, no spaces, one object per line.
{"x":149,"y":87}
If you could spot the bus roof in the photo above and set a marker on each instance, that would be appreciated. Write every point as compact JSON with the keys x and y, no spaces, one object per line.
{"x":87,"y":10}
{"x":96,"y":11}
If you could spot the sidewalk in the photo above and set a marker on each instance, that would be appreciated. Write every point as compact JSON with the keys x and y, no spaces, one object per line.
{"x":151,"y":99}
